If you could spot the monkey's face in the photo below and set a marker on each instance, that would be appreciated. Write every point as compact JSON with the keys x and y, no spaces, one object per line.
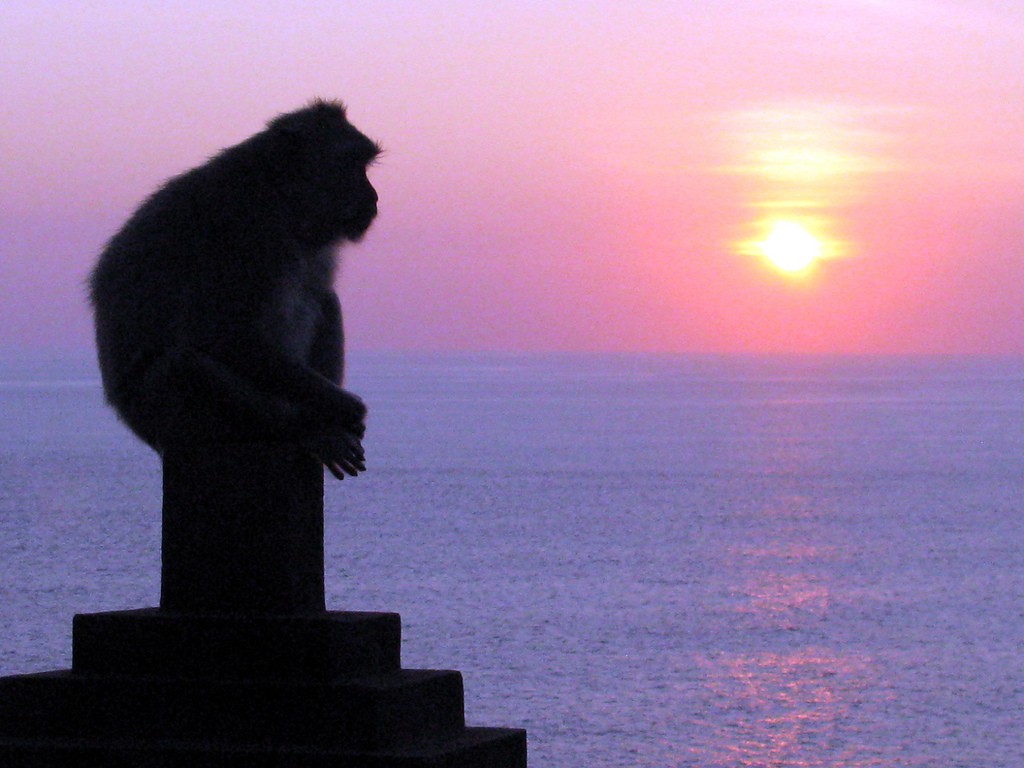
{"x":341,"y":203}
{"x":358,"y":200}
{"x":348,"y":196}
{"x":327,"y":174}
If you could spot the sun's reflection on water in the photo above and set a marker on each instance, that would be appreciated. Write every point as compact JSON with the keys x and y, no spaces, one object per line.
{"x":771,"y":706}
{"x":783,"y":600}
{"x":777,"y":689}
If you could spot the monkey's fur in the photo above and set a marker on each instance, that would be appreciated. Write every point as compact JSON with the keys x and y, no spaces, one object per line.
{"x":216,"y":320}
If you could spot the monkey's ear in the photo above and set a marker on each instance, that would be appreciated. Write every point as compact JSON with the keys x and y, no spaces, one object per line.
{"x":333,"y":107}
{"x":318,"y":115}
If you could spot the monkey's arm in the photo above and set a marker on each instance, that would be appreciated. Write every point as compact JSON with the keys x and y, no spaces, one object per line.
{"x":327,"y":354}
{"x":320,"y":405}
{"x":327,"y":357}
{"x":251,"y":330}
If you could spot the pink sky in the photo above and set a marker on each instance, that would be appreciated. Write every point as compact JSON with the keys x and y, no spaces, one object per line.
{"x":559,"y":175}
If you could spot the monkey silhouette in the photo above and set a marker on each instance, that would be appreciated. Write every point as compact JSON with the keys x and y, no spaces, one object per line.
{"x":216,"y":317}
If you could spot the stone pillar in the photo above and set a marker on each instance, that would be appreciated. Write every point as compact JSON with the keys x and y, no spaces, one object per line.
{"x":243,"y":530}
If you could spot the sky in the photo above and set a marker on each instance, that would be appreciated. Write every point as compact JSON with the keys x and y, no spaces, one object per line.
{"x":559,"y":176}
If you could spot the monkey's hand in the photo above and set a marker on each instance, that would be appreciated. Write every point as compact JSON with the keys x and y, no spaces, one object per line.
{"x":339,"y":445}
{"x":342,"y":454}
{"x":349,"y":415}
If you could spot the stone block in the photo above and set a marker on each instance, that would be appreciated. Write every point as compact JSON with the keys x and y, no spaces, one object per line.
{"x":315,"y":647}
{"x":243,"y":529}
{"x":474,"y":748}
{"x":382,"y":712}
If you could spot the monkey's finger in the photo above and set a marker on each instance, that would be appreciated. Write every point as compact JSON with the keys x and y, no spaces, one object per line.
{"x":332,"y":466}
{"x":343,"y":460}
{"x":337,"y":467}
{"x":353,"y":444}
{"x":350,"y":467}
{"x":352,"y":450}
{"x":346,"y":449}
{"x":334,"y":469}
{"x":356,"y":459}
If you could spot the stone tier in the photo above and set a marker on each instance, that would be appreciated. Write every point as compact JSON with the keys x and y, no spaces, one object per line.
{"x":475,"y":748}
{"x":152,"y":688}
{"x":316,"y":647}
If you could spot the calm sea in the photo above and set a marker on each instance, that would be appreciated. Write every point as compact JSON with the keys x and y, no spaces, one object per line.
{"x":644,"y":561}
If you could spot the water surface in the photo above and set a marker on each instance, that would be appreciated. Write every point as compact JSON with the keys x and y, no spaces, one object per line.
{"x":644,"y":561}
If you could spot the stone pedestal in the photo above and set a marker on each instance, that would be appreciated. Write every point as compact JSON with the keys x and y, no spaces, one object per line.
{"x":240,"y":665}
{"x":243,"y":530}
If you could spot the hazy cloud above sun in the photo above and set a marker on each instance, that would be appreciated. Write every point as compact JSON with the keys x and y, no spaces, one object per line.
{"x":815,"y":150}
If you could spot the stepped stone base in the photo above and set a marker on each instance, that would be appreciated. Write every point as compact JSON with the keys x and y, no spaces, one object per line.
{"x":156,"y":688}
{"x":241,"y":666}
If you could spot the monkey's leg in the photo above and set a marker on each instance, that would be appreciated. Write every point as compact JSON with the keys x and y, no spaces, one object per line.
{"x":339,"y":449}
{"x":322,"y":404}
{"x":175,"y":400}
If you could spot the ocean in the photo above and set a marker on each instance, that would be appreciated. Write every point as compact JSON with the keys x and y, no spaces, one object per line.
{"x":645,"y":561}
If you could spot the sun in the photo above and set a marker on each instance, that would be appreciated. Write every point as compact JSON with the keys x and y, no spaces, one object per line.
{"x":790,"y":247}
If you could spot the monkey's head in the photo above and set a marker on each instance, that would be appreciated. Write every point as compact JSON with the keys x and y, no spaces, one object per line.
{"x":320,"y":163}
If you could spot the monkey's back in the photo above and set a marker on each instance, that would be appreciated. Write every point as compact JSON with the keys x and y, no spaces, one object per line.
{"x":137,"y":289}
{"x":186,"y":261}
